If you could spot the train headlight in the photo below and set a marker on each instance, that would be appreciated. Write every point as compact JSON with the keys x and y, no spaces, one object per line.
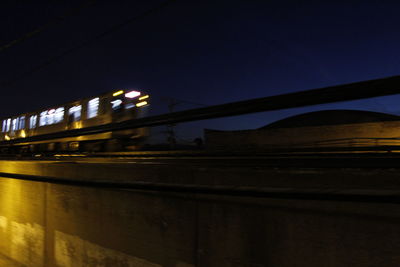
{"x":132,"y":94}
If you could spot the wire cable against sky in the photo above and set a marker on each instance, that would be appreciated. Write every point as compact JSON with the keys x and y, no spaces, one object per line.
{"x":88,"y":42}
{"x":52,"y":22}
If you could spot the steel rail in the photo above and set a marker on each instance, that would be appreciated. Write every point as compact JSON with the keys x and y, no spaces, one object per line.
{"x":346,"y":92}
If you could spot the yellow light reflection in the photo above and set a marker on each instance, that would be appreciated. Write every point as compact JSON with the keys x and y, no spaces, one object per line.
{"x":144,"y":97}
{"x":120,"y":92}
{"x":21,"y":209}
{"x":7,"y":137}
{"x":9,"y":198}
{"x":140,"y":104}
{"x":78,"y":125}
{"x":23,"y":134}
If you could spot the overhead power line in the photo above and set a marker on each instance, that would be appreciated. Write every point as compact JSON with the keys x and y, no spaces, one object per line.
{"x":49,"y":24}
{"x":87,"y":42}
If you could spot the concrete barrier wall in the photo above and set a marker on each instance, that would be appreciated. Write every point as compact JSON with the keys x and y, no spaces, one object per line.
{"x":53,"y":225}
{"x":57,"y":225}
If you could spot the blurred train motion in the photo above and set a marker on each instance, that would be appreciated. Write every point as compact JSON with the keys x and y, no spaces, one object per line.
{"x":107,"y":108}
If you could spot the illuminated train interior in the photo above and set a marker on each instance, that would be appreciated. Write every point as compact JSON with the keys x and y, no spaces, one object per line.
{"x":111,"y":107}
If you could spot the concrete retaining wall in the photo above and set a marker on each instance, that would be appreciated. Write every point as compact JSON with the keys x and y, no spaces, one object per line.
{"x":57,"y":225}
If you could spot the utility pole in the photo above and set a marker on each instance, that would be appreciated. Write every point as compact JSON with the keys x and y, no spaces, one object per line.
{"x":171,"y":133}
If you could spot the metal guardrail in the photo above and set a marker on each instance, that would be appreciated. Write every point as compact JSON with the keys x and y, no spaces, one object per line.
{"x":352,"y":91}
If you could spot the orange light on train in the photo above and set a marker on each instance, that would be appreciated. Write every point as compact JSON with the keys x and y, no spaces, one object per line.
{"x":120,"y":92}
{"x":144,"y":97}
{"x":141,"y":104}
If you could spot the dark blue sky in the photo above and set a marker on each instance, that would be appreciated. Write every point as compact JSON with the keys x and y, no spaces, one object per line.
{"x":207,"y":52}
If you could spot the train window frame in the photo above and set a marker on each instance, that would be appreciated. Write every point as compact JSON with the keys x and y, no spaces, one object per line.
{"x":75,"y":112}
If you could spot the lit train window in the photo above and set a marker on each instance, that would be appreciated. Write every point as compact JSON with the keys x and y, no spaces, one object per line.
{"x":129,"y":105}
{"x":116,"y":104}
{"x":32,"y":121}
{"x":75,"y":112}
{"x":43,"y":118}
{"x":21,"y":123}
{"x":15,"y":124}
{"x":51,"y":116}
{"x":59,"y":115}
{"x":93,"y":108}
{"x":8,"y":125}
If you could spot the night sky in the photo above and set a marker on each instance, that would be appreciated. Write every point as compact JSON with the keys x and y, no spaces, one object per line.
{"x":197,"y":52}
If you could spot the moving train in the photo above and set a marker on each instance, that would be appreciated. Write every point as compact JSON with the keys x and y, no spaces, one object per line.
{"x":115,"y":106}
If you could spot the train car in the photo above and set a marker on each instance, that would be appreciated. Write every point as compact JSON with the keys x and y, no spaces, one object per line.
{"x":115,"y":106}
